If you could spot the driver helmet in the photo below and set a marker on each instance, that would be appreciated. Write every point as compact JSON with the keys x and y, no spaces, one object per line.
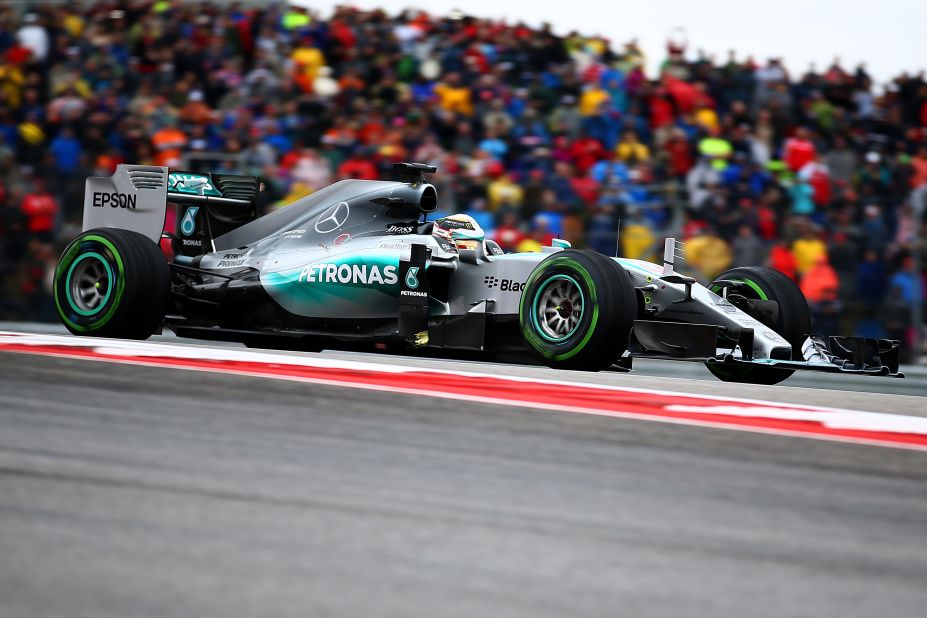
{"x":462,"y":230}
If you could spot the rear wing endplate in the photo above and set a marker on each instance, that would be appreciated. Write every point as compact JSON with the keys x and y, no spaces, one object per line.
{"x":133,"y":198}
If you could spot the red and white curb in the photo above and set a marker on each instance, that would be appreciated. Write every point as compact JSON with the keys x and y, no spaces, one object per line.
{"x":872,"y":428}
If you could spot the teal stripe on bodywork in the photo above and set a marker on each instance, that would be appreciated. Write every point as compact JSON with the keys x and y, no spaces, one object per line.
{"x":333,"y":299}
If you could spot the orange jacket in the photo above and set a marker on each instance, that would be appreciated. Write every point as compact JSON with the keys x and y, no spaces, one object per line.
{"x":820,"y":283}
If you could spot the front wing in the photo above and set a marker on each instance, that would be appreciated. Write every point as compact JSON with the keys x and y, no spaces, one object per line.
{"x":708,"y":343}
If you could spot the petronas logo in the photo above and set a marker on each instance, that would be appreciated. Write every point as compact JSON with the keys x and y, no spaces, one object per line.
{"x":188,"y":223}
{"x":412,"y":277}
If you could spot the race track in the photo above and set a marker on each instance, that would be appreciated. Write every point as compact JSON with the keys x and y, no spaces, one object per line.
{"x":130,"y":490}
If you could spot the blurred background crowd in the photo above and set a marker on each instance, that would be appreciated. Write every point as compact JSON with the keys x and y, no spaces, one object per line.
{"x":822,"y":175}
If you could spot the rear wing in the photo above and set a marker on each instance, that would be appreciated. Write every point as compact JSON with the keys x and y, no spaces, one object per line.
{"x":133,"y":198}
{"x":136,"y":197}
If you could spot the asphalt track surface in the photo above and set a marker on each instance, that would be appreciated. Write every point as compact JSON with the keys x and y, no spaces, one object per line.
{"x":140,"y":491}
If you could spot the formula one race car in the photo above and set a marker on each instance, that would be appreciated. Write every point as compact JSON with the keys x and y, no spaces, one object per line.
{"x":357,"y":265}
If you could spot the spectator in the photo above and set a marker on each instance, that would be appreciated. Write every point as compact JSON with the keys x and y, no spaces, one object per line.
{"x":843,"y":250}
{"x":453,"y":96}
{"x":709,"y":254}
{"x":497,"y":119}
{"x":716,"y":149}
{"x":602,"y":232}
{"x":802,"y":194}
{"x":808,"y":249}
{"x":798,"y":150}
{"x":609,"y":172}
{"x":874,"y":231}
{"x":820,"y":283}
{"x":747,"y":248}
{"x":919,"y":167}
{"x":312,"y":170}
{"x":504,"y":193}
{"x":586,"y":152}
{"x":820,"y":287}
{"x":565,"y":119}
{"x":561,"y":185}
{"x":679,"y":153}
{"x":359,"y":166}
{"x":782,"y":259}
{"x":307,"y":60}
{"x":484,"y":218}
{"x":169,"y":143}
{"x":540,"y":236}
{"x":817,"y":176}
{"x":637,"y":239}
{"x":871,"y":279}
{"x":493,"y":145}
{"x":592,"y":99}
{"x":905,"y":284}
{"x":841,"y":161}
{"x":34,"y":37}
{"x":41,"y":211}
{"x":630,"y":150}
{"x":66,"y":149}
{"x":196,"y":111}
{"x":509,"y":234}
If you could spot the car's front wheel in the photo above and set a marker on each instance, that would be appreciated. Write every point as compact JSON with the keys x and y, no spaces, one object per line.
{"x":577,"y":310}
{"x":793,"y":320}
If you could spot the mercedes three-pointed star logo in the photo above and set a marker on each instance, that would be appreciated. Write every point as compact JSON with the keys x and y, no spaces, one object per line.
{"x":333,"y":218}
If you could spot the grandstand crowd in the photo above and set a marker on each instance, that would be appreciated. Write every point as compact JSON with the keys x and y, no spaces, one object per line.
{"x":821,"y":175}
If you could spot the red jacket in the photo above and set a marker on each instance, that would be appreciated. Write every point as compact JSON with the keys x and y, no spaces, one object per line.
{"x":781,"y":259}
{"x":41,"y":209}
{"x":585,"y":153}
{"x":358,"y":168}
{"x":661,"y":112}
{"x":798,"y":153}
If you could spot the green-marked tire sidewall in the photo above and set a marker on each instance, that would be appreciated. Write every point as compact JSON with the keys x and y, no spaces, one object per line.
{"x":80,"y":249}
{"x":749,"y":283}
{"x":582,"y":334}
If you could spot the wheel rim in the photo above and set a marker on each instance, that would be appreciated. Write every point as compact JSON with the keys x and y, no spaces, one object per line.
{"x":89,"y":283}
{"x":558,"y":308}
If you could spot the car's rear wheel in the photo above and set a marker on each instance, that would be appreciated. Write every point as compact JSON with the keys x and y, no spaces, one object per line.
{"x":112,"y":283}
{"x":577,"y":310}
{"x":793,"y":321}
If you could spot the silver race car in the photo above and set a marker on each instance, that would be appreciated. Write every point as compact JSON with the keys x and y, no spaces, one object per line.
{"x":359,"y":265}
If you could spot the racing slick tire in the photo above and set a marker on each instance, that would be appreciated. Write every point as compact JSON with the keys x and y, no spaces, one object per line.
{"x":793,"y":321}
{"x":112,"y":283}
{"x":577,"y":310}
